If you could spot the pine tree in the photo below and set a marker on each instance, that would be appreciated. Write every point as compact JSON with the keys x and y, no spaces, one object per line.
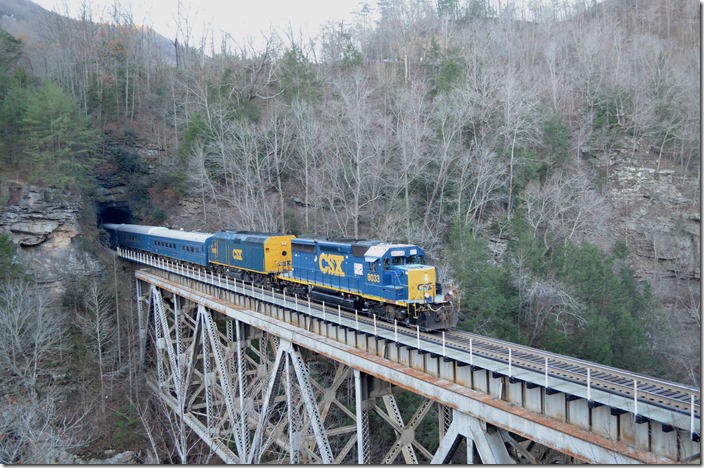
{"x":59,"y":141}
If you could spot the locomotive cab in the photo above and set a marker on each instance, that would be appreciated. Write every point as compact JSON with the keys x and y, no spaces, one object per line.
{"x":400,"y":273}
{"x":412,"y":294}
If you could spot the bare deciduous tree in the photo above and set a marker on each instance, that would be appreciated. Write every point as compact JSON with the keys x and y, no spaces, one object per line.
{"x":200,"y":181}
{"x":448,"y":122}
{"x":97,"y":322}
{"x":564,"y":209}
{"x":359,"y":151}
{"x":521,"y":124}
{"x":31,"y":337}
{"x":544,"y":301}
{"x":168,"y":434}
{"x":309,"y":148}
{"x":35,"y":431}
{"x":278,"y":142}
{"x":412,"y":138}
{"x":486,"y":180}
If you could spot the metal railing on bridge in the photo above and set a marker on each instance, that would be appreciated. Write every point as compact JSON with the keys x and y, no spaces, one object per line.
{"x":562,"y":403}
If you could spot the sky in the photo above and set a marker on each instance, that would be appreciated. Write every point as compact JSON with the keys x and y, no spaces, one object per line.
{"x":240,"y":18}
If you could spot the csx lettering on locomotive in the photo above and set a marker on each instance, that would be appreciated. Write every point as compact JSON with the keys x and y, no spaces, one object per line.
{"x":331,"y":264}
{"x":237,"y":254}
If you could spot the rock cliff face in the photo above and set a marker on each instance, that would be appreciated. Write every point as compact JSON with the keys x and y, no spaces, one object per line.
{"x":657,"y":211}
{"x":61,"y":457}
{"x":43,"y":222}
{"x":35,"y":215}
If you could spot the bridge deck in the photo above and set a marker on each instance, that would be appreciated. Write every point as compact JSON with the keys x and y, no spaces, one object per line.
{"x":574,"y":418}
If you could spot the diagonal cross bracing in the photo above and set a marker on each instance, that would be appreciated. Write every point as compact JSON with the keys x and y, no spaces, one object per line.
{"x":491,"y":412}
{"x":210,"y":330}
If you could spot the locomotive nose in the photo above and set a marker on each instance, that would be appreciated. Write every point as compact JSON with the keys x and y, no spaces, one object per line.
{"x":421,"y":284}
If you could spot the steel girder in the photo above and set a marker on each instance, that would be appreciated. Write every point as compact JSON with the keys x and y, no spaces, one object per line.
{"x":255,"y":396}
{"x":609,"y":429}
{"x":225,"y":382}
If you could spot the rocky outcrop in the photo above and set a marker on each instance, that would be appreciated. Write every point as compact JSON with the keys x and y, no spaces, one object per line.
{"x":658,"y":214}
{"x":35,"y":215}
{"x":61,"y":457}
{"x":43,"y":222}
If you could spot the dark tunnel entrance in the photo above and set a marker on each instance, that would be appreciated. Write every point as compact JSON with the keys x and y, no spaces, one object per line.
{"x":117,"y":213}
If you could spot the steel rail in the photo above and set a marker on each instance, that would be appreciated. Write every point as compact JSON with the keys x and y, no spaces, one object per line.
{"x":673,"y":396}
{"x":663,"y":393}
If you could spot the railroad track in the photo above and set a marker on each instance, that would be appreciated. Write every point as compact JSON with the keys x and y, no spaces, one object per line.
{"x":681,"y":398}
{"x":671,"y":395}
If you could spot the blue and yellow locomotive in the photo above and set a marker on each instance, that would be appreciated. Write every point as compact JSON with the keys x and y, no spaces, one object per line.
{"x":390,"y":281}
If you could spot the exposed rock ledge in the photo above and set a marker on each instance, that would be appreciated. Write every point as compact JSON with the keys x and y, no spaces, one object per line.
{"x":62,"y":457}
{"x":34,"y":215}
{"x":42,"y":222}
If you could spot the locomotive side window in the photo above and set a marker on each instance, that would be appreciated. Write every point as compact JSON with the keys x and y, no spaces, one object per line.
{"x":303,"y":248}
{"x":372,"y":266}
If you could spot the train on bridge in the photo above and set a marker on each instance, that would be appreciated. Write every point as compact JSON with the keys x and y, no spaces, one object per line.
{"x":389,"y":281}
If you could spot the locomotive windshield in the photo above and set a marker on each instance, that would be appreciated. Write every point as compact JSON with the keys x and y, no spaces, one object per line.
{"x":410,"y":260}
{"x":416,"y":260}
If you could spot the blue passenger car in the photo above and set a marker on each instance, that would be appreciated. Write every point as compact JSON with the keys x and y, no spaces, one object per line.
{"x":180,"y":245}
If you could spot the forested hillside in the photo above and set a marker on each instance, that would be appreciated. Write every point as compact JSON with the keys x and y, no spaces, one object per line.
{"x":490,"y":140}
{"x":550,"y":166}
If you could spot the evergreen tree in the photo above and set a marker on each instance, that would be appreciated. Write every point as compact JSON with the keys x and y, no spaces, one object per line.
{"x":617,"y":310}
{"x":59,"y":141}
{"x":296,"y":78}
{"x":489,"y":303}
{"x":8,"y":267}
{"x":13,"y":83}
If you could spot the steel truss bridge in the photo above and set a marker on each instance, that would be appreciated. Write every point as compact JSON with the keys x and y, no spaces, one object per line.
{"x":262,"y":377}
